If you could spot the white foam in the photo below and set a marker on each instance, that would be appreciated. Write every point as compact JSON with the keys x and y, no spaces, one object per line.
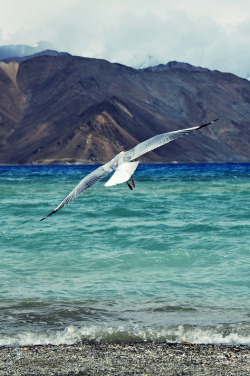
{"x":233,"y":334}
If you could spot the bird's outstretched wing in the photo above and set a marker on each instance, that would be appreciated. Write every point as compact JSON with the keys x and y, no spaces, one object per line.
{"x":84,"y":184}
{"x":160,"y":140}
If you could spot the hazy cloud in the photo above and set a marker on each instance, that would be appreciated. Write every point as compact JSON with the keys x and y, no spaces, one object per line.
{"x":210,"y":33}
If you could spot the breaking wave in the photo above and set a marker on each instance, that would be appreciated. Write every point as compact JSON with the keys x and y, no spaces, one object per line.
{"x":233,"y":334}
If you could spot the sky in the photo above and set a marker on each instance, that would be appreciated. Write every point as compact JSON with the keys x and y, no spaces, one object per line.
{"x":214,"y":34}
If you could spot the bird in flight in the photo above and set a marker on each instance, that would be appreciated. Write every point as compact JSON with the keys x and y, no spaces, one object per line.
{"x":122,"y":165}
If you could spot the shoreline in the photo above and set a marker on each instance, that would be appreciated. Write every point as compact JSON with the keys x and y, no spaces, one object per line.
{"x":100,"y":163}
{"x":126,"y":359}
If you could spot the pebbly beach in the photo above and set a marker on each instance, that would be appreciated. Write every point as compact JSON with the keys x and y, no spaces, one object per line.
{"x":125,"y":359}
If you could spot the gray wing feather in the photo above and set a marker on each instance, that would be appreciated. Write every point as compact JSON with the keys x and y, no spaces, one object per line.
{"x":84,"y":184}
{"x":160,"y":140}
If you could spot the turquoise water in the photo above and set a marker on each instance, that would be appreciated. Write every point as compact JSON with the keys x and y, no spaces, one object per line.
{"x":168,"y":261}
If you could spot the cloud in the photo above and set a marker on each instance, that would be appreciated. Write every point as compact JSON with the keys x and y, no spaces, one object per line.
{"x":213,"y":34}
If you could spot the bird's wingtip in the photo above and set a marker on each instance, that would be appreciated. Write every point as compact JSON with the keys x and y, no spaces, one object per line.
{"x":206,"y":124}
{"x":43,"y":218}
{"x":54,"y":211}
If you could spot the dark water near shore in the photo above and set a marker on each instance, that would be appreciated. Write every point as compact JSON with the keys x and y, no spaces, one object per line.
{"x":169,"y":261}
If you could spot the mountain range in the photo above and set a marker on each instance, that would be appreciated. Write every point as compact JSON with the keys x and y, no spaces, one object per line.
{"x":58,"y":108}
{"x":22,"y":50}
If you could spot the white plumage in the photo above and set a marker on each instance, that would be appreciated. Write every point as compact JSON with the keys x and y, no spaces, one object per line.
{"x":122,"y":164}
{"x":122,"y":173}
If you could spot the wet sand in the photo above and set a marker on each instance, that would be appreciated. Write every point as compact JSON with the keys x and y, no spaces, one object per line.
{"x":125,"y":359}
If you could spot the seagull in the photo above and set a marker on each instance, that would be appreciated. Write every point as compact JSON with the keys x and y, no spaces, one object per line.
{"x":122,"y":165}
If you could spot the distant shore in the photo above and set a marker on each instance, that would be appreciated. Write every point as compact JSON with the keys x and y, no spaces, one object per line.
{"x":99,"y":163}
{"x":126,"y":359}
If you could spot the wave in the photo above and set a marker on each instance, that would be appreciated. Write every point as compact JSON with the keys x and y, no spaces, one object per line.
{"x":230,"y":334}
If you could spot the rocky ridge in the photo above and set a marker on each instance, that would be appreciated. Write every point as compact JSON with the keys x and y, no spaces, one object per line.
{"x":69,"y":109}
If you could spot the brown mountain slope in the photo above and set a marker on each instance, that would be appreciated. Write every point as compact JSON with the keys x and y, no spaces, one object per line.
{"x":12,"y":101}
{"x":65,"y":109}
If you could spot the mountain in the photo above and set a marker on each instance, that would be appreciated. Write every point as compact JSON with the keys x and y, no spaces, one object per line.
{"x":21,"y":50}
{"x":171,"y":65}
{"x":19,"y":59}
{"x":69,"y":109}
